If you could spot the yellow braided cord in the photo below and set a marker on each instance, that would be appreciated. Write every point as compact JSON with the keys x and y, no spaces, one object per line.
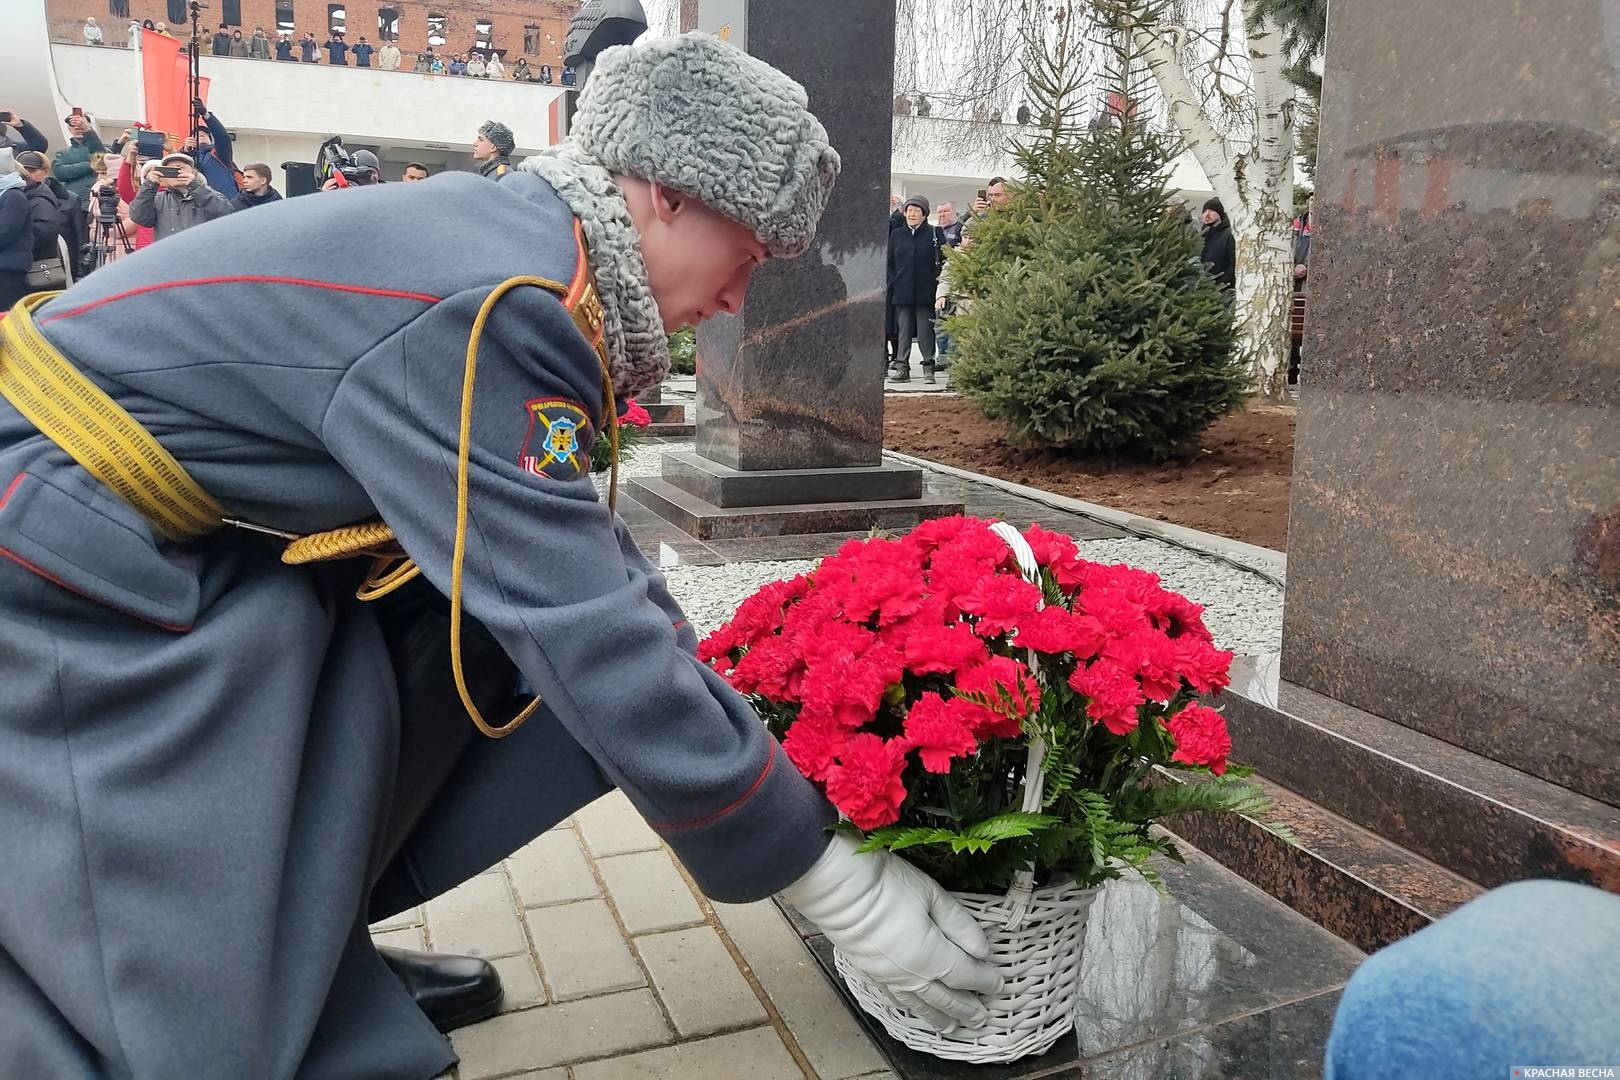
{"x":367,"y":538}
{"x":77,"y":415}
{"x":388,"y":573}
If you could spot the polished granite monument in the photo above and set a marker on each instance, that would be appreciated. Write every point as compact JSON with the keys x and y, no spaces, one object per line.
{"x":1448,"y":690}
{"x":789,"y":409}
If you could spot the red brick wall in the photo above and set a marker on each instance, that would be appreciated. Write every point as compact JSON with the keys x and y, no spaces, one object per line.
{"x":509,"y":17}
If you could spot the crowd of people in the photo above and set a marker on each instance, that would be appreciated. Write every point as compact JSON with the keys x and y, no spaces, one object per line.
{"x":920,"y":290}
{"x":63,"y":215}
{"x":336,"y":50}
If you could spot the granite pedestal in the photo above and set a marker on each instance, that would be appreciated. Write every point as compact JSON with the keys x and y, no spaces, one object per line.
{"x":789,"y":413}
{"x":1443,"y":713}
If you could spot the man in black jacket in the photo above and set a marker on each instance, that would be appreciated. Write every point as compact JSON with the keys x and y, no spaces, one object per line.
{"x":916,"y":252}
{"x":256,"y":189}
{"x":1220,"y":249}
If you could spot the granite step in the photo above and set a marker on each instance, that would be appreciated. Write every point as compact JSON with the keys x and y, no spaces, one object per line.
{"x":1480,"y":819}
{"x":1362,"y":887}
{"x":670,"y":430}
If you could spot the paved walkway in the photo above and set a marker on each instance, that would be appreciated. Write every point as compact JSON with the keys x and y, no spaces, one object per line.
{"x":616,"y":967}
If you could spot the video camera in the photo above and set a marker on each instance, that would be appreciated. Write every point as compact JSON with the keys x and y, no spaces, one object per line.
{"x":349,"y":168}
{"x":106,"y":204}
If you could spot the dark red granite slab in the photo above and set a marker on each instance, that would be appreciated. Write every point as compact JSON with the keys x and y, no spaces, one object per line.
{"x":1453,"y":543}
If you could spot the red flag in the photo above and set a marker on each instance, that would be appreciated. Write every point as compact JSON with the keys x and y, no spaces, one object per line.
{"x":164,"y":72}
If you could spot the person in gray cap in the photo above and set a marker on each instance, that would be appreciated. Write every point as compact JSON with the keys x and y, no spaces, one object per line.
{"x":492,"y":149}
{"x":222,"y":759}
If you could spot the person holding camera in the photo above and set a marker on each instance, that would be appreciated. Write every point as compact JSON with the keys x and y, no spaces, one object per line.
{"x":71,"y":165}
{"x":175,"y":197}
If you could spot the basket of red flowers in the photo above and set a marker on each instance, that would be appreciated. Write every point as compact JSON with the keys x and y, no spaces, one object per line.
{"x":1007,"y":715}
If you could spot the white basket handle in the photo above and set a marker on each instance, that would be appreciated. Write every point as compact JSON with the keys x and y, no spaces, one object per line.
{"x":1023,"y":885}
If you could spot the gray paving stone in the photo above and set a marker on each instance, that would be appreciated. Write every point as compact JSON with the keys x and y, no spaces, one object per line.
{"x":559,"y":1034}
{"x":478,"y":918}
{"x":408,"y":917}
{"x":406,"y":937}
{"x":820,"y":1022}
{"x":520,"y":983}
{"x":543,"y":1074}
{"x":582,"y":950}
{"x":552,"y":870}
{"x":614,"y":827}
{"x":698,"y":981}
{"x":754,"y":1055}
{"x":649,"y":892}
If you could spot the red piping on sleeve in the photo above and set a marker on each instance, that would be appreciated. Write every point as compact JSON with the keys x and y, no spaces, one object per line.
{"x":770,"y":763}
{"x":245,"y":279}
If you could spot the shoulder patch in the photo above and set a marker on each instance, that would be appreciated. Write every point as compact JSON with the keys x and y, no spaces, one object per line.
{"x":558,"y":443}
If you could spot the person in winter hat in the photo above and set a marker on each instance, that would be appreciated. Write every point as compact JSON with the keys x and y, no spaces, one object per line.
{"x":492,"y":149}
{"x":1220,"y":248}
{"x":263,"y":764}
{"x":916,"y":253}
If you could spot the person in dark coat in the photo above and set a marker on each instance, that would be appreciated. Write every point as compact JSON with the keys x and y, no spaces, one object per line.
{"x":256,"y":189}
{"x":71,"y":165}
{"x":222,"y":41}
{"x":16,"y":232}
{"x":337,"y":50}
{"x":1220,"y":247}
{"x":218,"y":768}
{"x":916,"y":252}
{"x":44,"y":208}
{"x":284,"y":47}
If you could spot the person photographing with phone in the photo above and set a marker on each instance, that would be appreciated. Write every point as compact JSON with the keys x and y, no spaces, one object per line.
{"x":174,"y":197}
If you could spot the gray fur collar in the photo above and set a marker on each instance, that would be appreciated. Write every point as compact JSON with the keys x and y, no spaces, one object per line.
{"x":638,"y":350}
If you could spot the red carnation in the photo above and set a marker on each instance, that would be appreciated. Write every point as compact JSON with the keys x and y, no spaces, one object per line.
{"x":937,"y":531}
{"x":1201,"y":738}
{"x":1115,"y":695}
{"x":1206,"y":668}
{"x":1050,"y":548}
{"x":1009,"y":687}
{"x":772,"y":669}
{"x":846,"y":687}
{"x":717,"y":647}
{"x":1151,"y":657}
{"x":762,"y":613}
{"x":1054,"y":630}
{"x":940,"y":650}
{"x":938,"y":732}
{"x":1000,"y":602}
{"x":635,"y":416}
{"x":1111,"y":607}
{"x":1183,"y":617}
{"x":813,"y":746}
{"x":865,"y":783}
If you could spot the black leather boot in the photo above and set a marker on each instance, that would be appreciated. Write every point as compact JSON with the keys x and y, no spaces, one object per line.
{"x":453,"y":991}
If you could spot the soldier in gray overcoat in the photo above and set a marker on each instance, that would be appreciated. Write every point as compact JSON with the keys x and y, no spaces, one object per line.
{"x":218,"y":767}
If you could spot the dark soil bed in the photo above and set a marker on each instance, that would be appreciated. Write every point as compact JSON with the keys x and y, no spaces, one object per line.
{"x":1235,"y":484}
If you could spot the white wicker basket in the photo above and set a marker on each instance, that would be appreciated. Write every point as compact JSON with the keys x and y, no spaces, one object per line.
{"x":1035,"y":941}
{"x":1040,"y":960}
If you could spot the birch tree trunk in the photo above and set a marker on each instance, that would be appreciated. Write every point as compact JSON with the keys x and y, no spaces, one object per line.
{"x":1256,"y":186}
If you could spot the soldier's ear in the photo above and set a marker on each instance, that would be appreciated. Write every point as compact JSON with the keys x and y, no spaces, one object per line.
{"x":666,"y":201}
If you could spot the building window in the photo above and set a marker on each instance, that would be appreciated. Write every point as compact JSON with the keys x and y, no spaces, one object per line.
{"x":177,"y":15}
{"x":118,"y":9}
{"x":337,"y":18}
{"x":531,"y":39}
{"x":436,"y":30}
{"x":230,"y":12}
{"x":284,"y":16}
{"x":486,"y":35}
{"x":387,"y":24}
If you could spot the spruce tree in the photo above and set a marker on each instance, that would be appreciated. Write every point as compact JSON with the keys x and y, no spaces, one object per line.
{"x":1092,"y":325}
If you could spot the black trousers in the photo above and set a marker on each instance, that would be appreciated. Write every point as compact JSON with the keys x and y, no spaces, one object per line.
{"x":914,"y":321}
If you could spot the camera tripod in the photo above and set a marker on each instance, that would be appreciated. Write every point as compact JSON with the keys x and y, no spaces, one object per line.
{"x":110,"y":235}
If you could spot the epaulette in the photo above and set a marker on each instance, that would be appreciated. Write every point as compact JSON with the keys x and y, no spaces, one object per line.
{"x":583,"y":302}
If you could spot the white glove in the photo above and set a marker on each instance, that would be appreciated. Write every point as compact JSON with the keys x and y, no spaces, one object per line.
{"x":895,"y":923}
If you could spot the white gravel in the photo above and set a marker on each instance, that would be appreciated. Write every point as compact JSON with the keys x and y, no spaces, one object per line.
{"x":1242,"y":610}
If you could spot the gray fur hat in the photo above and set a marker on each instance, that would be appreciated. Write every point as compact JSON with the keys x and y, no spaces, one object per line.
{"x":499,"y":135}
{"x":705,"y":118}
